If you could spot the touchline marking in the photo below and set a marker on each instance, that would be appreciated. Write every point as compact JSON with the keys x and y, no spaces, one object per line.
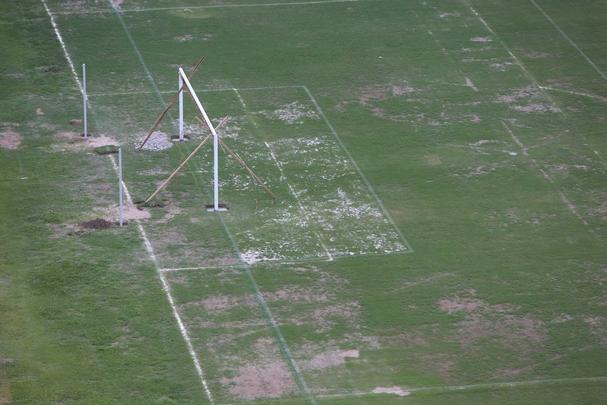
{"x":148,"y":246}
{"x":283,"y":177}
{"x":60,"y":39}
{"x":480,"y":386}
{"x":358,"y":169}
{"x":599,"y":71}
{"x":546,"y":176}
{"x":575,"y":93}
{"x":210,"y":6}
{"x":296,"y":372}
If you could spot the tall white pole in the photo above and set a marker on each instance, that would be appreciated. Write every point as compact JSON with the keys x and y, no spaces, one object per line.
{"x":216,"y":172}
{"x":215,"y":139}
{"x":180,"y":109}
{"x":84,"y":101}
{"x":120,"y":190}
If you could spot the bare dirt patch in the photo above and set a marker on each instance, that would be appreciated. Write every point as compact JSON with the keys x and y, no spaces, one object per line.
{"x":500,"y":322}
{"x":97,"y":223}
{"x":10,"y":140}
{"x":270,"y":380}
{"x":331,"y":359}
{"x":433,"y":160}
{"x":74,"y":142}
{"x":391,"y":390}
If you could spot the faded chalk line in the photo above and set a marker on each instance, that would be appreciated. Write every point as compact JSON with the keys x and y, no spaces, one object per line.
{"x":358,"y":170}
{"x":575,"y":93}
{"x":148,"y":246}
{"x":210,"y":6}
{"x":564,"y":35}
{"x":546,"y":176}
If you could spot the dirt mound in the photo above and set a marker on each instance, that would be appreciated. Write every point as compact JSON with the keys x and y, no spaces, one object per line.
{"x":158,"y":141}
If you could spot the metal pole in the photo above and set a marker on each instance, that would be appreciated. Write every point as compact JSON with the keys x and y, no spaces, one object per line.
{"x":180,"y":108}
{"x":120,"y":190}
{"x":84,"y":101}
{"x":215,"y":139}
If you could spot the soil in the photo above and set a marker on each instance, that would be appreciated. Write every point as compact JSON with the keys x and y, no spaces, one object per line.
{"x":269,"y":380}
{"x":97,"y":223}
{"x":10,"y":140}
{"x":331,"y":359}
{"x":158,"y":141}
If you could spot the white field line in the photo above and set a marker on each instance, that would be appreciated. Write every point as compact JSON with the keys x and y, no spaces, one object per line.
{"x":60,"y":39}
{"x":281,"y":262}
{"x":148,"y":246}
{"x":472,"y":387}
{"x":575,"y":93}
{"x":283,"y":177}
{"x":126,"y":93}
{"x":296,"y":372}
{"x":512,"y":55}
{"x":564,"y":35}
{"x":546,"y":176}
{"x":358,"y":169}
{"x":211,"y":6}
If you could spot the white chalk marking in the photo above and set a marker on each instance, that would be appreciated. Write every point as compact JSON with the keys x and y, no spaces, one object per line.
{"x":480,"y":386}
{"x":283,"y":177}
{"x":65,"y":52}
{"x":546,"y":176}
{"x":148,"y":246}
{"x":358,"y":170}
{"x":210,"y":6}
{"x":575,"y":93}
{"x":555,"y":25}
{"x":126,"y":93}
{"x":470,"y":84}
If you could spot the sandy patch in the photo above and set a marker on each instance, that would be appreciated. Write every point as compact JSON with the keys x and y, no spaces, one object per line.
{"x":130,"y":212}
{"x":331,"y":359}
{"x":391,"y":390}
{"x":483,"y":320}
{"x":481,"y":39}
{"x":270,"y":380}
{"x":72,"y":141}
{"x":432,"y":160}
{"x":10,"y":140}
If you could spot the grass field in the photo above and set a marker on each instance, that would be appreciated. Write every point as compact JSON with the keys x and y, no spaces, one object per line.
{"x":438,"y":236}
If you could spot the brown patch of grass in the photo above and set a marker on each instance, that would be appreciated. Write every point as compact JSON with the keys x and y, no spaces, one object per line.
{"x":10,"y":139}
{"x":267,"y":380}
{"x":432,"y":160}
{"x":74,"y":142}
{"x":331,"y":358}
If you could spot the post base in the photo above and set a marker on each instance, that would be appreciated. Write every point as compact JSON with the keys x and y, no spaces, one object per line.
{"x":222,"y":207}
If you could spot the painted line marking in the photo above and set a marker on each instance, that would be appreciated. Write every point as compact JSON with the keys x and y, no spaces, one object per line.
{"x":575,"y":93}
{"x":283,"y":177}
{"x":546,"y":176}
{"x":125,"y":93}
{"x":210,"y":6}
{"x":296,"y":372}
{"x":564,"y":35}
{"x":358,"y":169}
{"x":148,"y":245}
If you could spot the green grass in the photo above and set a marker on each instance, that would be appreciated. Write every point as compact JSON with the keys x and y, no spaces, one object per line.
{"x":483,"y":143}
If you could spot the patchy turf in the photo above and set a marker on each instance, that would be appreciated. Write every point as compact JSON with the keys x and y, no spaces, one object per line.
{"x":438,"y":234}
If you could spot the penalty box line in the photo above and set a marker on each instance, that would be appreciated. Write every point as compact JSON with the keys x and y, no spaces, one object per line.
{"x":166,"y":288}
{"x":281,"y":262}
